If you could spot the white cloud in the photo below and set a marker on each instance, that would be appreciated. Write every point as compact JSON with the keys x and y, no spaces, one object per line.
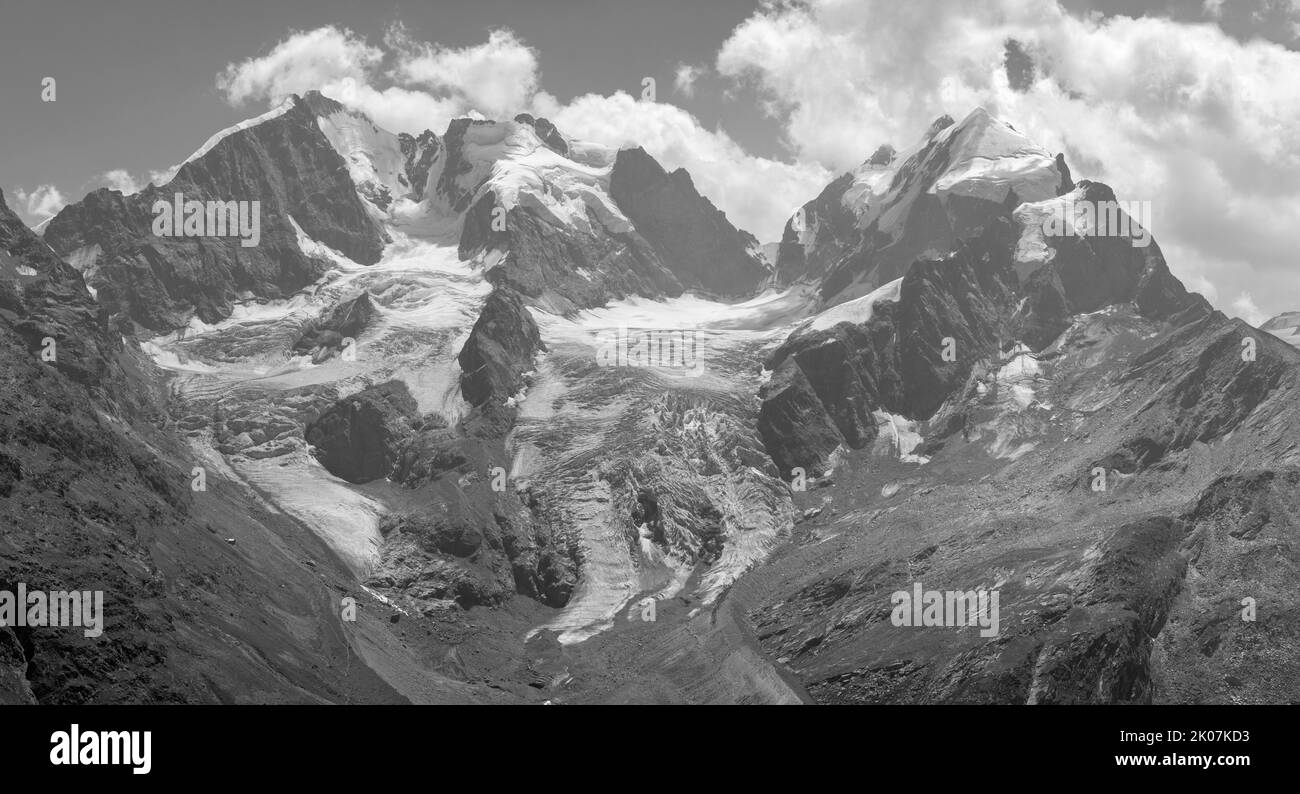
{"x":1204,"y":126}
{"x":118,"y":179}
{"x":1245,"y":308}
{"x":685,"y":78}
{"x":496,"y":78}
{"x":425,"y":87}
{"x":302,"y":61}
{"x":757,"y":194}
{"x":43,"y":202}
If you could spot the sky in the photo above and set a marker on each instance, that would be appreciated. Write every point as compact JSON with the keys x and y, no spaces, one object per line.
{"x":1189,"y":104}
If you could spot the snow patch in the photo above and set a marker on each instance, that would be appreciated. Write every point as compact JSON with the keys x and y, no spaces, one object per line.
{"x":856,"y":311}
{"x":280,"y":110}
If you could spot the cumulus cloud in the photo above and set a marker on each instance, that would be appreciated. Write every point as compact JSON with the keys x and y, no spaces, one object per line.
{"x":302,"y":61}
{"x":685,"y":77}
{"x":118,"y":179}
{"x":423,"y":87}
{"x":758,"y":194}
{"x":1183,"y":115}
{"x":1245,"y":308}
{"x":43,"y":202}
{"x":496,"y":78}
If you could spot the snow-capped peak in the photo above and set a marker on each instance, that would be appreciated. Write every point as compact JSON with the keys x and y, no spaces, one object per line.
{"x":518,"y":167}
{"x":278,"y":110}
{"x":373,"y":155}
{"x":987,"y":158}
{"x":1285,"y":326}
{"x":980,"y":157}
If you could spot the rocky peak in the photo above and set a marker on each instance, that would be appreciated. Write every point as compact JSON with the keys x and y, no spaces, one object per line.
{"x":692,"y":237}
{"x":546,"y":131}
{"x":942,"y":123}
{"x":882,"y":156}
{"x":457,"y":165}
{"x":320,"y":104}
{"x":285,"y":163}
{"x":958,"y":179}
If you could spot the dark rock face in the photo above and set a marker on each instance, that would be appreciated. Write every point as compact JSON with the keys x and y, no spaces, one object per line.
{"x":476,"y":544}
{"x":360,"y":438}
{"x":15,"y":689}
{"x":546,"y":131}
{"x":499,"y":350}
{"x":1067,"y":184}
{"x":974,"y":297}
{"x":456,"y":165}
{"x":1086,"y":274}
{"x":692,"y":237}
{"x":563,"y":268}
{"x":845,"y":254}
{"x":818,"y":237}
{"x":825,"y":384}
{"x":421,"y":153}
{"x":795,"y":425}
{"x":286,"y":163}
{"x":346,"y":320}
{"x":474,"y":549}
{"x":1198,"y":385}
{"x":676,"y":238}
{"x":94,"y":496}
{"x":546,"y":263}
{"x":1127,"y":599}
{"x":41,"y":298}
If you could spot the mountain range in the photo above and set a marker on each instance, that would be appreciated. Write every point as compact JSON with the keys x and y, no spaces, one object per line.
{"x":501,"y":415}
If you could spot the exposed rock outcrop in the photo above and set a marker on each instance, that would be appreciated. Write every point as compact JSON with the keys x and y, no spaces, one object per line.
{"x":345,"y":321}
{"x":825,"y":384}
{"x":692,"y":237}
{"x":360,"y":438}
{"x":499,"y":350}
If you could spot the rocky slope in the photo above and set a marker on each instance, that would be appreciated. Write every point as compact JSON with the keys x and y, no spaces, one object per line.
{"x":1128,"y":593}
{"x":210,"y":596}
{"x":1101,"y":447}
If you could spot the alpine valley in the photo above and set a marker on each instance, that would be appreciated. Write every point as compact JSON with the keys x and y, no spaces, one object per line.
{"x":382,"y":454}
